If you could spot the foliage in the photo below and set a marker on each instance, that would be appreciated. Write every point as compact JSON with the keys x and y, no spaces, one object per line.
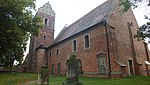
{"x":143,"y":32}
{"x":126,"y":4}
{"x":17,"y":23}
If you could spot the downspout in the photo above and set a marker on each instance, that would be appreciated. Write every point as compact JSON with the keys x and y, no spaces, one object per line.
{"x":108,"y":51}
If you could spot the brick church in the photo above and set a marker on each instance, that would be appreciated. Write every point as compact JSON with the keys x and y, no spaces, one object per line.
{"x":102,"y":40}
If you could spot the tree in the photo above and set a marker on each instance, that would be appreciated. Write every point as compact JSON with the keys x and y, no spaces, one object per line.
{"x":131,"y":3}
{"x":143,"y":31}
{"x":17,"y":24}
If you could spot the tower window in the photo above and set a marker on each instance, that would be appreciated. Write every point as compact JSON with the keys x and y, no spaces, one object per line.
{"x":44,"y":36}
{"x":46,"y":22}
{"x":86,"y":41}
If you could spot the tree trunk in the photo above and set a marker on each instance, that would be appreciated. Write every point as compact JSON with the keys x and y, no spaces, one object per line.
{"x":11,"y":64}
{"x":10,"y":68}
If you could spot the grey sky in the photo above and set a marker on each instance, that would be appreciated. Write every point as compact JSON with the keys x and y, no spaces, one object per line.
{"x":68,"y":11}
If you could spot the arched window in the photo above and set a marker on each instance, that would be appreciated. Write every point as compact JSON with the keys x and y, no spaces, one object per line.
{"x":74,"y":45}
{"x":86,"y":41}
{"x":57,"y":52}
{"x":50,"y":54}
{"x":46,"y":21}
{"x":53,"y":68}
{"x":59,"y":68}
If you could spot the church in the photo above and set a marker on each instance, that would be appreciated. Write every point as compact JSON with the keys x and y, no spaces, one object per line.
{"x":103,"y":40}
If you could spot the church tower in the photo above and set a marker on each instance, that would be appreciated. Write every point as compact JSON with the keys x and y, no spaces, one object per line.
{"x":45,"y":36}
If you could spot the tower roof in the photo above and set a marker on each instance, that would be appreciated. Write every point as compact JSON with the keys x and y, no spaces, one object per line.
{"x":47,"y":9}
{"x":94,"y":17}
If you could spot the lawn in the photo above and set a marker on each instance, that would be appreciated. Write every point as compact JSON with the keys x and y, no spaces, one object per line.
{"x":16,"y":78}
{"x":132,"y":80}
{"x":19,"y":78}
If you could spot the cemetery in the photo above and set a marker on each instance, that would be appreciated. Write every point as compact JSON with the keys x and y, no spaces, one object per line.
{"x":100,"y":48}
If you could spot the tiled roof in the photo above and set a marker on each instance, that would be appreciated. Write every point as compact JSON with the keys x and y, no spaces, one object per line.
{"x":120,"y":63}
{"x":95,"y":16}
{"x":41,"y":46}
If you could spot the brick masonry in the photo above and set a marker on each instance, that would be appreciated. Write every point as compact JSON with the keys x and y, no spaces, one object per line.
{"x":121,"y":28}
{"x":120,"y":48}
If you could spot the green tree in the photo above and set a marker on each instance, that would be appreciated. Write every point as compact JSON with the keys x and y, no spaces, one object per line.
{"x":143,"y":31}
{"x":126,"y":4}
{"x":17,"y":24}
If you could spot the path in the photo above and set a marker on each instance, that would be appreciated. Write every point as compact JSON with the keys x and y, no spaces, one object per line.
{"x":29,"y":83}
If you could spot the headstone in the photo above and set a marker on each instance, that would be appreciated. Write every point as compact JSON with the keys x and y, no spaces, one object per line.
{"x":43,"y":76}
{"x":72,"y":71}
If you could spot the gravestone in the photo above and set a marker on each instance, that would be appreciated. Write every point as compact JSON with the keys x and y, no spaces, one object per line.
{"x":72,"y":71}
{"x":43,"y":76}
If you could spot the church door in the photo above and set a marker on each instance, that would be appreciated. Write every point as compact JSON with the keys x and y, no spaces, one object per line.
{"x":130,"y":67}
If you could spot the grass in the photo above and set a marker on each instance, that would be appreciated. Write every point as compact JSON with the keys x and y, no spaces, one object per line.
{"x":16,"y":78}
{"x":132,"y":80}
{"x":19,"y":78}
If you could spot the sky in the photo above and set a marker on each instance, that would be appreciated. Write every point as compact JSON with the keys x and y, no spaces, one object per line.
{"x":68,"y":11}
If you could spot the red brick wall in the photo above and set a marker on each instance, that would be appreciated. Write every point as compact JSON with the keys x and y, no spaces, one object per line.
{"x":123,"y":40}
{"x":87,"y":56}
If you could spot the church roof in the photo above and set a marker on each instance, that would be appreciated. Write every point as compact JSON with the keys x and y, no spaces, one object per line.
{"x":94,"y":17}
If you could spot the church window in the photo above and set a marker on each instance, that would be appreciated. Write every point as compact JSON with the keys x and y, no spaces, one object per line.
{"x":53,"y":70}
{"x":50,"y":54}
{"x":59,"y":68}
{"x":57,"y":52}
{"x":74,"y":45}
{"x":101,"y":63}
{"x":86,"y":41}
